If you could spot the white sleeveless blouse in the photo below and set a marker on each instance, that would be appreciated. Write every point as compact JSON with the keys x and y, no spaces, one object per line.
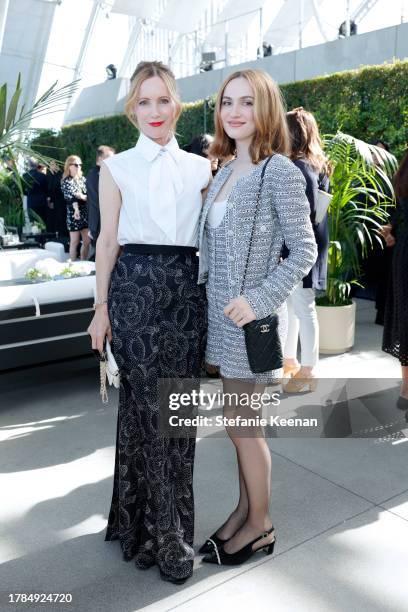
{"x":161,"y":193}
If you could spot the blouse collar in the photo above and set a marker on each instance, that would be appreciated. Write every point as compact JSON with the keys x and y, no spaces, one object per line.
{"x":149,"y":149}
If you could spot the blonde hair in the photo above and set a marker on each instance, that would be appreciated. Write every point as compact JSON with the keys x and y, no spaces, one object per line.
{"x":271,"y":134}
{"x":305,"y":139}
{"x":146,"y":70}
{"x":71,"y":159}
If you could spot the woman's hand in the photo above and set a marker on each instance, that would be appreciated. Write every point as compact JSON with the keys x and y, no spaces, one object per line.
{"x":80,"y":196}
{"x":100,"y":327}
{"x":239,"y":311}
{"x":390,"y":240}
{"x":385,"y":232}
{"x":77,"y":214}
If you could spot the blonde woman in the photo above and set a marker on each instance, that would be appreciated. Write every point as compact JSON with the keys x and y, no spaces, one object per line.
{"x":73,"y":187}
{"x":251,"y":133}
{"x":150,"y":305}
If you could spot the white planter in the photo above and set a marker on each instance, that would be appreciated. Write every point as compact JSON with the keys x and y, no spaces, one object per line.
{"x":336,"y":328}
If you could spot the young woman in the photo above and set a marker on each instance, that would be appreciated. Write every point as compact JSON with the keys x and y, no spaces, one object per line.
{"x":73,"y":187}
{"x":395,"y":338}
{"x":307,"y":154}
{"x":150,"y":305}
{"x":250,"y":128}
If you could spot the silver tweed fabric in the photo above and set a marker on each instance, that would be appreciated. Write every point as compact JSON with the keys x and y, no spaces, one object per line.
{"x":225,"y":341}
{"x":283,"y":215}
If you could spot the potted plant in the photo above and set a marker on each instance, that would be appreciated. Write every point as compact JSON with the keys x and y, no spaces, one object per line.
{"x":362,"y":192}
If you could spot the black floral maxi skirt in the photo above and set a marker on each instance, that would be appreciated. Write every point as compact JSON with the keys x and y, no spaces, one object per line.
{"x":158,"y":318}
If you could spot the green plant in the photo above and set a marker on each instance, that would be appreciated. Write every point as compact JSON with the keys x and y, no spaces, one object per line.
{"x":362,"y":193}
{"x":11,"y":208}
{"x":16,"y":134}
{"x":33,"y":274}
{"x":69,"y":272}
{"x":15,"y":127}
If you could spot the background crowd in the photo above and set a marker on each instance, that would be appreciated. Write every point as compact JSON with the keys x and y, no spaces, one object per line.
{"x":66,"y":201}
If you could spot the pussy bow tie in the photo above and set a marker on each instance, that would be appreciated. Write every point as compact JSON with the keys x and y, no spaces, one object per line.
{"x":165,"y":186}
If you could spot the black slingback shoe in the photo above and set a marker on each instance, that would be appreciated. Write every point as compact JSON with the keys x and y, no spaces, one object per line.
{"x":402,"y":403}
{"x":219,"y":556}
{"x":208,"y":545}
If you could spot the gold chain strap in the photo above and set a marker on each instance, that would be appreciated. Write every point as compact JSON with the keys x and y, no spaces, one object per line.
{"x":102,"y":376}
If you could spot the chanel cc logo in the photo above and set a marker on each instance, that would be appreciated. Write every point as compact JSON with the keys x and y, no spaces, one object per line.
{"x":264,"y":329}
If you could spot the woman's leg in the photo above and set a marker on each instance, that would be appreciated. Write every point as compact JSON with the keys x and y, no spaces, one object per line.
{"x":303,"y":300}
{"x":404,"y":386}
{"x":238,"y":516}
{"x":290,"y":348}
{"x":86,"y":241}
{"x":73,"y":245}
{"x":255,"y":465}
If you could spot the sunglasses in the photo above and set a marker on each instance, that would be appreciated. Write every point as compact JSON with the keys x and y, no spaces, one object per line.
{"x":77,"y":165}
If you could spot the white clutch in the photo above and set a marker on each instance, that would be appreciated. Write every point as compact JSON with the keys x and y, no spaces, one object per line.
{"x":108,"y":370}
{"x":112,"y":370}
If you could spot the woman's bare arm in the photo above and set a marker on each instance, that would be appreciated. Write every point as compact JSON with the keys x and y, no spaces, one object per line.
{"x":107,"y":249}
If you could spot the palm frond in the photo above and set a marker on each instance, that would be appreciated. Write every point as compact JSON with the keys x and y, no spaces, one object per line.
{"x":16,"y":127}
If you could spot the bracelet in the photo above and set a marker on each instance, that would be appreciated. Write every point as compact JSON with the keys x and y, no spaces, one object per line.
{"x":100,"y":303}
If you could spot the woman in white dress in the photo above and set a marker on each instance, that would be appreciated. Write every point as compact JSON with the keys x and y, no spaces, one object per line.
{"x":150,"y":305}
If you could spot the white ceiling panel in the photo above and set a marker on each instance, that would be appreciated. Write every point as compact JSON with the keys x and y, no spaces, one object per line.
{"x":183,"y":15}
{"x":136,"y":8}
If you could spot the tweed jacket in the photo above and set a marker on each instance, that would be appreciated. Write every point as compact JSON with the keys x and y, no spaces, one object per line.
{"x":283,"y":216}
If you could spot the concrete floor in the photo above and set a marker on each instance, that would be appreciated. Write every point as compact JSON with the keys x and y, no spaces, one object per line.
{"x":340,"y":506}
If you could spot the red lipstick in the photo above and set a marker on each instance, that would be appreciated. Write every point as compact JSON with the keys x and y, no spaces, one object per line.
{"x":156,"y":123}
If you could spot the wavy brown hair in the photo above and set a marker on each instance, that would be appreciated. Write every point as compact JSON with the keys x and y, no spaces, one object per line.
{"x":271,"y":134}
{"x":146,"y":70}
{"x":401,"y":178}
{"x":305,"y":139}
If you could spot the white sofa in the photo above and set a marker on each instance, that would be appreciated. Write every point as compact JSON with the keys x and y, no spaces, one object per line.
{"x":41,"y":321}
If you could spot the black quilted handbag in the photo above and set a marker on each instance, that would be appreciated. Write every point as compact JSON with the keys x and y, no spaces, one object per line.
{"x":262,"y":340}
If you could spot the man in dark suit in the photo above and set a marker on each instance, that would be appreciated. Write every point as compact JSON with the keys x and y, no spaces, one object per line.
{"x":92,"y":189}
{"x":56,"y":203}
{"x":35,"y":188}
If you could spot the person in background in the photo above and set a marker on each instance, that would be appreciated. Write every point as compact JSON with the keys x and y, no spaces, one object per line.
{"x":92,"y":190}
{"x":73,"y":187}
{"x":200,"y":145}
{"x":35,"y":188}
{"x":56,"y":201}
{"x":307,"y":154}
{"x":395,"y":337}
{"x":376,"y":267}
